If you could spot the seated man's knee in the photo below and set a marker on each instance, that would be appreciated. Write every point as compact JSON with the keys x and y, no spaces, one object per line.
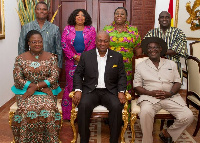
{"x":189,"y":116}
{"x":116,"y":106}
{"x":186,"y":117}
{"x":145,"y":111}
{"x":84,"y":105}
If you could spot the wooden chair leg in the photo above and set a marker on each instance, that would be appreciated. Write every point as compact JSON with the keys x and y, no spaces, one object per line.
{"x":133,"y":120}
{"x":73,"y":118}
{"x":169,"y":123}
{"x":125,"y":119}
{"x":11,"y":114}
{"x":162,"y":124}
{"x":198,"y":125}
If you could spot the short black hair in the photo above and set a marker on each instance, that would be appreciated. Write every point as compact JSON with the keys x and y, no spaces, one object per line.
{"x":123,"y":9}
{"x":28,"y":36}
{"x":41,"y":2}
{"x":72,"y":17}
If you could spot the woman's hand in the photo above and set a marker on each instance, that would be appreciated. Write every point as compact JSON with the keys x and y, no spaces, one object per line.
{"x":47,"y":91}
{"x":76,"y":58}
{"x":30,"y":91}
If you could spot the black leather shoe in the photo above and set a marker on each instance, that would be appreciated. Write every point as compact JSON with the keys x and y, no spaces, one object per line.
{"x":165,"y":139}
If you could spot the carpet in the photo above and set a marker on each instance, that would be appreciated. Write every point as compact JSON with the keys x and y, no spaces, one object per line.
{"x":96,"y":134}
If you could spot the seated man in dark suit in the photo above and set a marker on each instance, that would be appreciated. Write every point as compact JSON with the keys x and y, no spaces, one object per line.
{"x":100,"y":79}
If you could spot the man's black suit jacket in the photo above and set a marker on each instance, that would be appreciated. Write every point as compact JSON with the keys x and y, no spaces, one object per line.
{"x":86,"y":73}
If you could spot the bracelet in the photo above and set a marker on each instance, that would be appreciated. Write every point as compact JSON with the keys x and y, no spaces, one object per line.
{"x":38,"y":86}
{"x":41,"y":89}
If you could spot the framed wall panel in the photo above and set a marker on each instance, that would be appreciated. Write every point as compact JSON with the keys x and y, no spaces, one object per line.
{"x":2,"y":20}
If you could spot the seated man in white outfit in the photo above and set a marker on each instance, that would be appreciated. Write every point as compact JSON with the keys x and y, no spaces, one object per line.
{"x":158,"y":82}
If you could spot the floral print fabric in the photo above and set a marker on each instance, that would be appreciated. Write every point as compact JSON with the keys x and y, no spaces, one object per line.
{"x":124,"y":43}
{"x":67,"y":41}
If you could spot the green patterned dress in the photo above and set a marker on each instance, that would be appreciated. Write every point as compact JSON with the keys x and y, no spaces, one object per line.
{"x":37,"y":119}
{"x":124,"y":43}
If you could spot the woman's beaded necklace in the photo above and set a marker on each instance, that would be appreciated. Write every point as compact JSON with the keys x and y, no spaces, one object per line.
{"x":37,"y":56}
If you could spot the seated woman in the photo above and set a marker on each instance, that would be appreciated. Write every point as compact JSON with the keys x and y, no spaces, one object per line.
{"x":35,"y":73}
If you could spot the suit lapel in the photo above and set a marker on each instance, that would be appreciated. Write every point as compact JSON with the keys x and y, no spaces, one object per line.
{"x":93,"y":55}
{"x":109,"y":61}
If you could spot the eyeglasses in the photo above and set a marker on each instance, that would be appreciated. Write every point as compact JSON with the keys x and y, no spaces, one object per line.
{"x":152,"y":48}
{"x":36,"y":42}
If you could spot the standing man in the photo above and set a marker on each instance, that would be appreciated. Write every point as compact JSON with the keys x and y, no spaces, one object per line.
{"x":174,"y":37}
{"x":158,"y":82}
{"x":50,"y":32}
{"x":100,"y":79}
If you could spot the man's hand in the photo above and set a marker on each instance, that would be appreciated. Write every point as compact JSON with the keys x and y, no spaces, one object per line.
{"x":77,"y":97}
{"x":122,"y":97}
{"x":159,"y":94}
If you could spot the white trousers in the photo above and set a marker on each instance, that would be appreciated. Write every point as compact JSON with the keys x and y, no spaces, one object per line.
{"x":184,"y":117}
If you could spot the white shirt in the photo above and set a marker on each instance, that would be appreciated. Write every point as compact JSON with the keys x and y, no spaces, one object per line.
{"x":101,"y":69}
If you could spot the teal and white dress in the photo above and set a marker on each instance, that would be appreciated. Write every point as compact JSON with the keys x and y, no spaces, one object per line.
{"x":37,"y":118}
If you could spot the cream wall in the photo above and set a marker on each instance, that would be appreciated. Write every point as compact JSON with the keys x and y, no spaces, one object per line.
{"x":8,"y":50}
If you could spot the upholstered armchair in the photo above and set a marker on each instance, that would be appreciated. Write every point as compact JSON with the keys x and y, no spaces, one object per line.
{"x":193,"y":86}
{"x":100,"y":112}
{"x":194,"y":49}
{"x":135,"y":109}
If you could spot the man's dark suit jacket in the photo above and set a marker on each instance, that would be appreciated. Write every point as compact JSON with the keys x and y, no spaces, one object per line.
{"x":86,"y":73}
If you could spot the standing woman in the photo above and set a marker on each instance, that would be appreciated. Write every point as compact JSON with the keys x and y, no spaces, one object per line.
{"x":78,"y":36}
{"x":124,"y":39}
{"x":37,"y":119}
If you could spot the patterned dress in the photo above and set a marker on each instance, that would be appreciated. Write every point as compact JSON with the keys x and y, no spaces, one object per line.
{"x":124,"y":43}
{"x":67,"y":41}
{"x":37,"y":119}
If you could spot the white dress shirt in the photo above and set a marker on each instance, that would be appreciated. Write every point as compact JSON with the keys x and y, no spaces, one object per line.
{"x":101,"y":69}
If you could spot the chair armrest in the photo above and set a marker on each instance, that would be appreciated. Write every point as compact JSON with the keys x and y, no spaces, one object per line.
{"x":125,"y":116}
{"x":71,"y":94}
{"x":73,"y":117}
{"x":128,"y":95}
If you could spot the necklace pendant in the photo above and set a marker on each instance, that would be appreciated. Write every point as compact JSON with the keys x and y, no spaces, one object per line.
{"x":37,"y":57}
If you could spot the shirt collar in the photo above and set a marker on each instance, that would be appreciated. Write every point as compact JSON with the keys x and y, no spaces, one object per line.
{"x":99,"y":55}
{"x":168,"y":30}
{"x":150,"y":63}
